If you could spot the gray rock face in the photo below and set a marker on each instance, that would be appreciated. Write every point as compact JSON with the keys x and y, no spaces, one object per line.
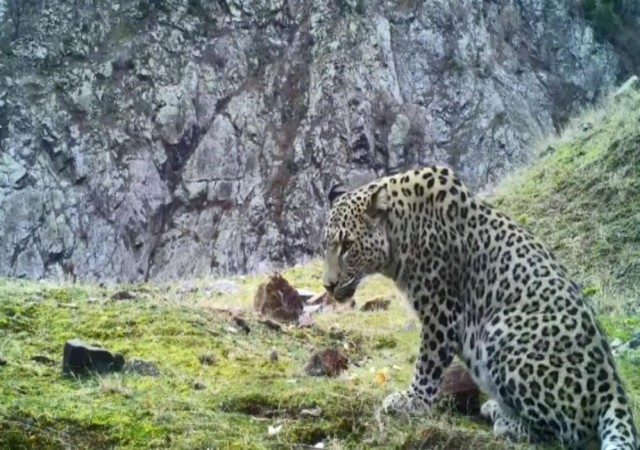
{"x":161,"y":139}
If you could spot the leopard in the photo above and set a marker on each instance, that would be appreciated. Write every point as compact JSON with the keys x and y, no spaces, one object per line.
{"x":488,"y":292}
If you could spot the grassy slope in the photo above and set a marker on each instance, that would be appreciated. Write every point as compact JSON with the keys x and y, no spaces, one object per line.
{"x":245,"y":393}
{"x":583,"y":197}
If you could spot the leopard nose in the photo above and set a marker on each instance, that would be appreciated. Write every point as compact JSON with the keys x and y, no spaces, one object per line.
{"x":330,"y":287}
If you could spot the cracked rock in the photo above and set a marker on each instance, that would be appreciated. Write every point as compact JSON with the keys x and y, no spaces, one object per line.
{"x":201,"y":145}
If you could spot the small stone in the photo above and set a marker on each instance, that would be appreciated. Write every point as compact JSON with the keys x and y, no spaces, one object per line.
{"x":226,"y":287}
{"x":328,"y":362}
{"x":318,"y":299}
{"x":305,"y":294}
{"x":458,"y":386}
{"x":41,"y":359}
{"x":620,"y":349}
{"x":632,"y":84}
{"x":187,"y":288}
{"x":310,"y":309}
{"x":616,"y":343}
{"x":273,"y":356}
{"x":311,"y":412}
{"x":271,"y":324}
{"x":336,"y":333}
{"x":410,"y":325}
{"x":331,"y":304}
{"x":80,"y":358}
{"x":67,"y":305}
{"x":242,"y":324}
{"x":123,"y":295}
{"x":199,"y":385}
{"x":305,"y":320}
{"x":377,"y":304}
{"x":635,"y":341}
{"x":207,"y":359}
{"x":278,"y":300}
{"x":142,"y":368}
{"x":3,"y":362}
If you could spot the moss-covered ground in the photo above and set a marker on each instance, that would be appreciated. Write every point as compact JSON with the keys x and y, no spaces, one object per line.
{"x":245,"y":392}
{"x":582,"y":196}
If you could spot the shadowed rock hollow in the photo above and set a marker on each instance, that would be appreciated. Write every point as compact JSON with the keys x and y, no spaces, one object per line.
{"x":181,"y":138}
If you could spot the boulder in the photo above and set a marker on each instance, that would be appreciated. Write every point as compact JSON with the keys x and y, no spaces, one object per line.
{"x":80,"y":358}
{"x":277,"y":299}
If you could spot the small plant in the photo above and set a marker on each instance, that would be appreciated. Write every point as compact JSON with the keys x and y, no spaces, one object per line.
{"x":604,"y":16}
{"x":456,"y":66}
{"x":590,"y":291}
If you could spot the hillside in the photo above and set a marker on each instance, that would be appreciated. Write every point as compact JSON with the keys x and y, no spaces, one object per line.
{"x":583,"y":197}
{"x":219,"y":387}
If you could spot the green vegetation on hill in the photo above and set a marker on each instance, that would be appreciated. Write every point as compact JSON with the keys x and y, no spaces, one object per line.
{"x":582,"y":197}
{"x":241,"y":393}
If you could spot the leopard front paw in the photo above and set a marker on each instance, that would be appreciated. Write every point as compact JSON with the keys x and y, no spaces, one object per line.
{"x":405,"y":402}
{"x":490,"y":410}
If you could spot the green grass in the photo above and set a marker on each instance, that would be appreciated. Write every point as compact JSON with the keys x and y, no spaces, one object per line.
{"x":582,"y":197}
{"x":245,"y":392}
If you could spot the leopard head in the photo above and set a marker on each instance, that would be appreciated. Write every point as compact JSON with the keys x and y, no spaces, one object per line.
{"x":356,"y":240}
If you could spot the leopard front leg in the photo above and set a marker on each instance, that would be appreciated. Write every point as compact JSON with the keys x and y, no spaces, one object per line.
{"x":436,"y":354}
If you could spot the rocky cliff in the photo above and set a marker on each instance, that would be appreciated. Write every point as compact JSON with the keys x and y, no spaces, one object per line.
{"x":156,"y":139}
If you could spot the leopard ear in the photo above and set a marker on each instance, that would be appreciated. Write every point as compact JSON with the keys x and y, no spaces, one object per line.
{"x":379,"y":202}
{"x":336,"y":191}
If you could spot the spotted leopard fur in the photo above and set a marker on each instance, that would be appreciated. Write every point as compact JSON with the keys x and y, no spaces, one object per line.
{"x":488,"y":291}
